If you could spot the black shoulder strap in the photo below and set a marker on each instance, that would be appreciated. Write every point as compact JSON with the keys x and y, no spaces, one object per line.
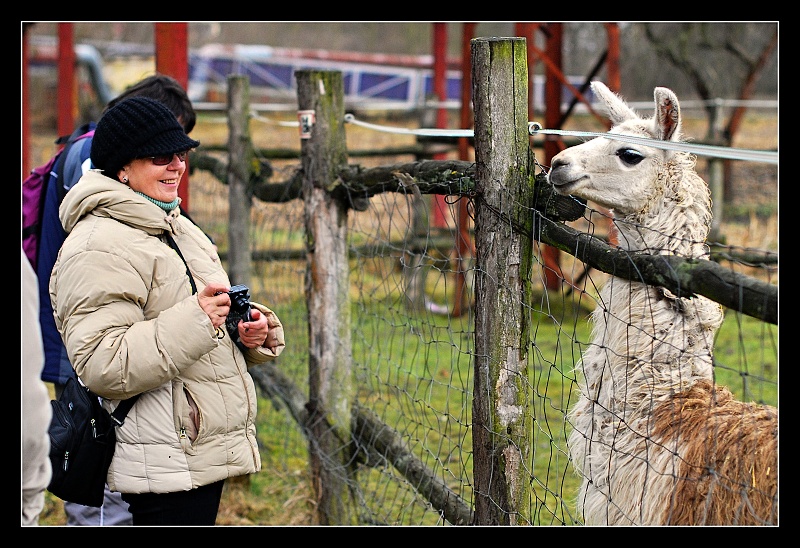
{"x":118,"y":416}
{"x":174,"y":246}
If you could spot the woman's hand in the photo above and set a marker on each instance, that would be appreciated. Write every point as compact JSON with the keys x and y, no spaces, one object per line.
{"x":215,"y":302}
{"x":252,"y":334}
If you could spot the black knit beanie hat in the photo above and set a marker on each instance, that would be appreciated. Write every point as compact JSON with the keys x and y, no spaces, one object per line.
{"x":137,"y":127}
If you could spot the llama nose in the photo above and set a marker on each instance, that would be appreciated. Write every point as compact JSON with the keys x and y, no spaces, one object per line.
{"x":557,"y":163}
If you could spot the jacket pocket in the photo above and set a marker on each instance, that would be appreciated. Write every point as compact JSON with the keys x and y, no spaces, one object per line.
{"x":187,"y":416}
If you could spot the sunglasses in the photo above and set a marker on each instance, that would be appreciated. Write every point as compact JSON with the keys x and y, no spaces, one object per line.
{"x":164,"y":159}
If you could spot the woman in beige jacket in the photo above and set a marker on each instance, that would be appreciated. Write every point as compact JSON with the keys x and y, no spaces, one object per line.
{"x":140,"y":298}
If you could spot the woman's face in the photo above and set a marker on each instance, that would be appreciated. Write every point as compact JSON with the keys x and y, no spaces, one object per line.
{"x":160,"y":182}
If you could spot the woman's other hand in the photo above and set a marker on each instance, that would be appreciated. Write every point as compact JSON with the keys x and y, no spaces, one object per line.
{"x":252,"y":334}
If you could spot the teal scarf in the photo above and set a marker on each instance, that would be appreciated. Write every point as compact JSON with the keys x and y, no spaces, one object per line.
{"x":166,"y":206}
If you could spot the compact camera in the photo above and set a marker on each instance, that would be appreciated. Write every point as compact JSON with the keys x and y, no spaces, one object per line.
{"x":240,"y":310}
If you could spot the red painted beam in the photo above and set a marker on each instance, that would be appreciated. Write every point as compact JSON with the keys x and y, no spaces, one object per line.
{"x":67,"y":92}
{"x":552,"y":116}
{"x":464,"y":243}
{"x":440,"y":90}
{"x":172,"y":59}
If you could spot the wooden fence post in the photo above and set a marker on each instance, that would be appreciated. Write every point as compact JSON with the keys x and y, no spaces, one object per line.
{"x":320,"y":94}
{"x":501,"y":424}
{"x":240,"y":158}
{"x":716,"y":171}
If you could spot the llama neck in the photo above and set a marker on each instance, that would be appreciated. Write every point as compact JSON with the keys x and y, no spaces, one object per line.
{"x":646,"y":343}
{"x":676,"y":219}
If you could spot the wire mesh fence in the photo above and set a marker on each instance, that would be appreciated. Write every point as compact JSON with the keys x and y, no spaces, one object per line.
{"x":413,"y":360}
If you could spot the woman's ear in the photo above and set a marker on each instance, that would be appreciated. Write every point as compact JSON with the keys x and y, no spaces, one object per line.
{"x":122,"y":175}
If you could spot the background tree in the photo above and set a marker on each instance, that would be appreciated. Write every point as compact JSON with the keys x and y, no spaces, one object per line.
{"x":719,"y":61}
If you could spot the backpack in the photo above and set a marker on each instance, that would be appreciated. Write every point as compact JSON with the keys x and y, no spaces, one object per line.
{"x":82,"y":441}
{"x":34,"y":189}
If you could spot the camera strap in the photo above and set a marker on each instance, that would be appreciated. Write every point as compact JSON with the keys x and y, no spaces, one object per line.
{"x":174,"y":246}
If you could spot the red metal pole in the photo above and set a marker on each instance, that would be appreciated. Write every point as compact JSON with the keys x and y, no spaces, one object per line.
{"x":172,"y":59}
{"x":612,"y":60}
{"x":440,"y":90}
{"x":67,"y":92}
{"x":466,"y":116}
{"x":172,"y":51}
{"x":614,"y":83}
{"x":464,"y":244}
{"x":552,"y":117}
{"x":528,"y":31}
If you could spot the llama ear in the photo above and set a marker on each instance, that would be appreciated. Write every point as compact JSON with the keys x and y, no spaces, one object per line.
{"x":668,"y":115}
{"x":612,"y":104}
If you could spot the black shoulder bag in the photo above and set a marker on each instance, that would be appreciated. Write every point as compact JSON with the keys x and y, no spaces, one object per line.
{"x":82,"y":441}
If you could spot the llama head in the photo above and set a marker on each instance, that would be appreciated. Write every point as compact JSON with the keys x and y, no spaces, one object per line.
{"x":621,"y":176}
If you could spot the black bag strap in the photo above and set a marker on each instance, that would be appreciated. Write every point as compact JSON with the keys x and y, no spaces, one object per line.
{"x":174,"y":246}
{"x":118,"y":416}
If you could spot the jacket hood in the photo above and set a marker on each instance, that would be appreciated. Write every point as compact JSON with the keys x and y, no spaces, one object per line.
{"x":100,"y":195}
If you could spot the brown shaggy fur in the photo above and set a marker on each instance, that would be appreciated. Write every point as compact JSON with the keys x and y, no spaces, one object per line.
{"x":729,"y":457}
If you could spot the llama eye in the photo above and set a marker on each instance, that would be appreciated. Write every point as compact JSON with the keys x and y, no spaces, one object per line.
{"x":630,"y":156}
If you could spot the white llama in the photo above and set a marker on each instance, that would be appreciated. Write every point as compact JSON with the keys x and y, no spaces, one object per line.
{"x":655,"y":440}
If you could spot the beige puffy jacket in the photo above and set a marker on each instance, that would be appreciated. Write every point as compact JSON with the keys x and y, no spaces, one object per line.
{"x":124,"y":306}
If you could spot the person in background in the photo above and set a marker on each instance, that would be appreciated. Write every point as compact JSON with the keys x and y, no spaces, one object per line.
{"x":153,"y":322}
{"x":36,"y":409}
{"x":57,"y":368}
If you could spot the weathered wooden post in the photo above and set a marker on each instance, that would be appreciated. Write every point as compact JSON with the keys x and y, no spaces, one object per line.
{"x":320,"y":97}
{"x":240,"y":157}
{"x":501,"y":421}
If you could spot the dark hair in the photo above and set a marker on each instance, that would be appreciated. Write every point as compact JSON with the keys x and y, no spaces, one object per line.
{"x":167,"y":90}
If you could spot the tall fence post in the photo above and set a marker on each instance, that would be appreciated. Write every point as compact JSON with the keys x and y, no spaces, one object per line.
{"x":240,"y":155}
{"x":501,"y":421}
{"x":716,"y":171}
{"x":320,"y":98}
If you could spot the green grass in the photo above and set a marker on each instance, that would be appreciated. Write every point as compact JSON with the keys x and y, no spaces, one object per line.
{"x":746,"y":358}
